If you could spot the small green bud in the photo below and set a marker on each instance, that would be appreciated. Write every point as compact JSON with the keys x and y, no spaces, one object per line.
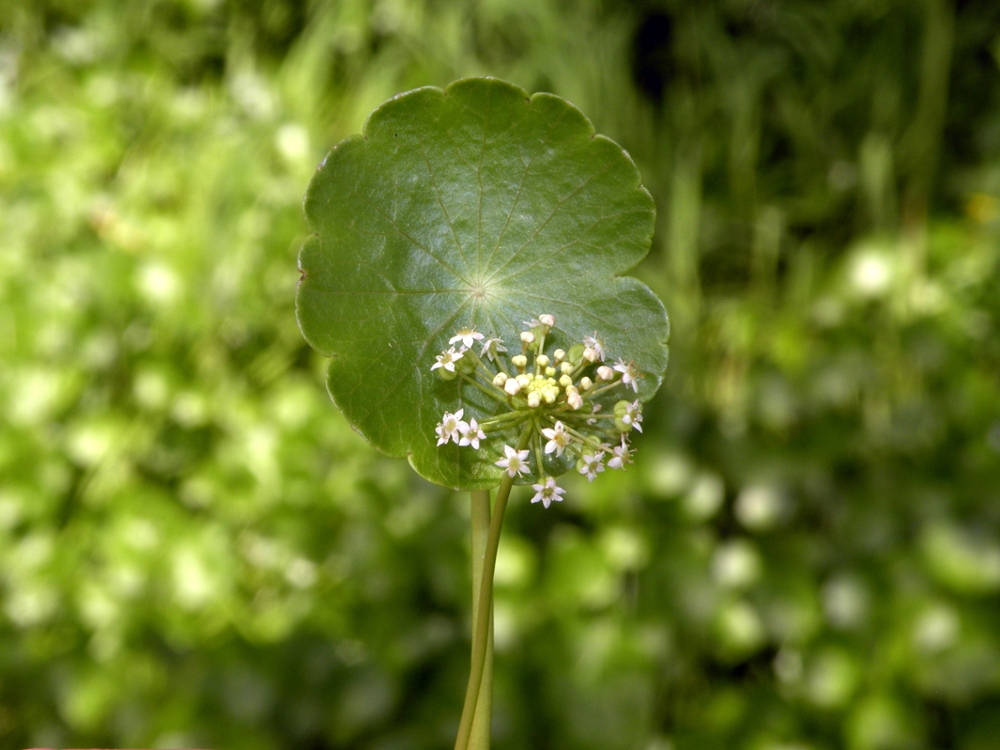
{"x":542,"y":360}
{"x":550,"y":372}
{"x":466,"y":365}
{"x":565,"y":381}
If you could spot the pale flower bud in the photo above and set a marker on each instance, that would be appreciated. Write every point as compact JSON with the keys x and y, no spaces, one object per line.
{"x":534,"y":400}
{"x":605,"y":373}
{"x":566,"y":367}
{"x":523,"y":380}
{"x":520,"y":361}
{"x":542,"y":361}
{"x":559,"y":355}
{"x":500,"y":379}
{"x":586,"y":384}
{"x":590,"y":354}
{"x":549,"y":320}
{"x":574,"y":399}
{"x":512,"y":387}
{"x":565,"y":381}
{"x":527,"y":337}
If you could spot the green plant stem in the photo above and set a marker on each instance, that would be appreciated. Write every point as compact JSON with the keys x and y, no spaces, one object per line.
{"x":479,"y":737}
{"x":482,"y":619}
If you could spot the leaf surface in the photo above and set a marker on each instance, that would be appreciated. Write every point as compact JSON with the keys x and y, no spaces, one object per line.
{"x":471,"y":206}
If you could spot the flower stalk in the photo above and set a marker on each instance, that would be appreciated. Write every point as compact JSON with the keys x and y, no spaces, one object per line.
{"x":550,"y":401}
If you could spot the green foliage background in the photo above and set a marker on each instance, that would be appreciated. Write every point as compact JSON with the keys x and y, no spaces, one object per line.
{"x":196,"y":550}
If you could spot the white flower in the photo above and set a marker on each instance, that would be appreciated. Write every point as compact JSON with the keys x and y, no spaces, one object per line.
{"x":468,"y":336}
{"x":629,"y":374}
{"x":515,"y":463}
{"x":622,"y":456}
{"x":558,"y":438}
{"x":633,"y":415}
{"x":491,"y":347}
{"x":450,"y":426}
{"x":594,"y":344}
{"x":592,"y":465}
{"x":471,"y":434}
{"x":547,"y":493}
{"x":448,"y":359}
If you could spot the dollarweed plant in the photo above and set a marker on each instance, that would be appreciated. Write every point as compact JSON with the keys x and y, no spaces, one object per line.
{"x":464,"y":279}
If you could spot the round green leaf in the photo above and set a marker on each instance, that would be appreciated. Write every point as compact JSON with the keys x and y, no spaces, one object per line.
{"x":473,"y":206}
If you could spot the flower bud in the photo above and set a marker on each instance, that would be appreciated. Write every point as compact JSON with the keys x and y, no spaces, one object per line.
{"x":534,"y":400}
{"x":500,"y":379}
{"x":566,"y":368}
{"x":523,"y":380}
{"x":565,"y":381}
{"x":574,"y":399}
{"x":520,"y":361}
{"x":542,"y":361}
{"x":559,"y":355}
{"x":605,"y":373}
{"x":549,"y":320}
{"x":590,"y":354}
{"x":512,"y":387}
{"x":586,"y":384}
{"x":466,"y":365}
{"x":527,"y":337}
{"x":550,"y":372}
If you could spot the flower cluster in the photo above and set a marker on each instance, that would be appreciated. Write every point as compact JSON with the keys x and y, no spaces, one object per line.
{"x":554,"y":405}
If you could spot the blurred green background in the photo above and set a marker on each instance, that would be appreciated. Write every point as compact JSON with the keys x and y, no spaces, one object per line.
{"x":195,"y":548}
